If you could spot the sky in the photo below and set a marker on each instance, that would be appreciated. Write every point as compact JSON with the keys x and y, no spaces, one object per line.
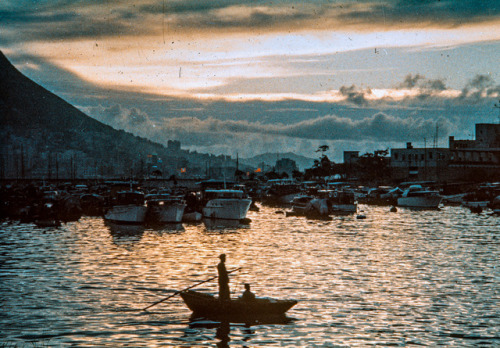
{"x":251,"y":77}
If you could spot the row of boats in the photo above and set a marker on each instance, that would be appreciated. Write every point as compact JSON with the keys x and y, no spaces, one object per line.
{"x":136,"y":207}
{"x":344,"y":198}
{"x":312,"y":201}
{"x":127,"y":203}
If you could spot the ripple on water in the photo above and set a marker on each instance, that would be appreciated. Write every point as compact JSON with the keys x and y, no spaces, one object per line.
{"x":407,"y":278}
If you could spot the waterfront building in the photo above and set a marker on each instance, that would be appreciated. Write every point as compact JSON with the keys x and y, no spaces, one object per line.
{"x":419,"y":164}
{"x":351,"y":158}
{"x":480,"y":158}
{"x":471,"y":160}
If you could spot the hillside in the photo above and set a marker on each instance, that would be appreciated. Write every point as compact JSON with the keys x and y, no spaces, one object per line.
{"x":270,"y":159}
{"x":42,"y":133}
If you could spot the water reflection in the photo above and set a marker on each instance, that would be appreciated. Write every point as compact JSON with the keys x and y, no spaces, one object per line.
{"x":125,"y":234}
{"x":167,"y":228}
{"x":222,"y":334}
{"x":425,"y":278}
{"x":236,"y":329}
{"x":224,"y":225}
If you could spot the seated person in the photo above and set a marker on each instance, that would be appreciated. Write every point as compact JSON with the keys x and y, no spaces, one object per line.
{"x":247,"y":294}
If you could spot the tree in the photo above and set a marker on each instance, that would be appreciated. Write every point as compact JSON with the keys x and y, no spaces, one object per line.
{"x":321,"y":168}
{"x":373,"y":166}
{"x":323,"y":148}
{"x":298,"y":175}
{"x":272,"y":175}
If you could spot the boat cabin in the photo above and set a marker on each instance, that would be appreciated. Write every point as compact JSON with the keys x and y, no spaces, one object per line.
{"x":128,"y":198}
{"x":418,"y":190}
{"x":159,"y":199}
{"x":223,"y":194}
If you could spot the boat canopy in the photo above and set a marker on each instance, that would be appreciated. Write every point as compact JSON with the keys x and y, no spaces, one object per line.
{"x":129,"y":197}
{"x":212,"y":194}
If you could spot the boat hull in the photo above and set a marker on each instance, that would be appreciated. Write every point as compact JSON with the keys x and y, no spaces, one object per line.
{"x":420,"y":202}
{"x":167,"y":213}
{"x":229,"y":209}
{"x":210,"y":307}
{"x":476,"y":204}
{"x":192,"y":217}
{"x":343,"y":208}
{"x":126,"y":214}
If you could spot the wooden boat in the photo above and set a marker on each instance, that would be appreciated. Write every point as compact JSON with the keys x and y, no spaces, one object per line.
{"x":209,"y":306}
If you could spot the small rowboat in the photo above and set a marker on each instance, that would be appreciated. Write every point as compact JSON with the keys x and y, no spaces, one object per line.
{"x":209,"y":306}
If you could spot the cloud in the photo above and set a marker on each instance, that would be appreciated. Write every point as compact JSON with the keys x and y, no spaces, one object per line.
{"x":70,"y":20}
{"x":379,"y":126}
{"x":479,"y":89}
{"x":97,"y":19}
{"x":435,"y":85}
{"x":324,"y":14}
{"x":421,"y":13}
{"x":120,"y":117}
{"x":411,"y":81}
{"x":421,"y":82}
{"x":355,"y":95}
{"x":411,"y":119}
{"x":211,"y":135}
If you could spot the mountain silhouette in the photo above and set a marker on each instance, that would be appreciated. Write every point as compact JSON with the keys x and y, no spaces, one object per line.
{"x":39,"y":126}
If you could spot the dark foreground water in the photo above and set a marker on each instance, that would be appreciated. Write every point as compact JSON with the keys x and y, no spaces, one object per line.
{"x":410,"y":278}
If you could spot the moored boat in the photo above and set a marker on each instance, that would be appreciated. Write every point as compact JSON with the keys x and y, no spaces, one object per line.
{"x":301,"y":205}
{"x":128,"y":208}
{"x":210,"y":307}
{"x":339,"y":201}
{"x":164,"y":208}
{"x":309,"y":206}
{"x":225,"y":204}
{"x":416,"y":196}
{"x":281,"y":191}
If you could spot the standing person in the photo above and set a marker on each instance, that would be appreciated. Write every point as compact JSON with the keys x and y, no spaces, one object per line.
{"x":223,"y":279}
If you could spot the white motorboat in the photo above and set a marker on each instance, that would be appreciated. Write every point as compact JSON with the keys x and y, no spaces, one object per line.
{"x":309,"y":206}
{"x":128,"y":208}
{"x":301,"y":205}
{"x":282,"y":191}
{"x":165,"y":208}
{"x":225,"y":204}
{"x":417,"y":197}
{"x":339,"y":201}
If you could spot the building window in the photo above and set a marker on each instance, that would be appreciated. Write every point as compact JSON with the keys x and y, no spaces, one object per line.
{"x":430,"y":155}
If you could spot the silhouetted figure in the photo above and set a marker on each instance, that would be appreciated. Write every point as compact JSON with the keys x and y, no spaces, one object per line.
{"x":223,"y":279}
{"x":247,"y":294}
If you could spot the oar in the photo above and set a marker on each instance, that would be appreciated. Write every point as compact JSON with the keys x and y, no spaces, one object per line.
{"x":190,"y":287}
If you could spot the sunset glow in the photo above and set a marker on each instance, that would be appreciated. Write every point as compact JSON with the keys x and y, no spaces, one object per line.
{"x":184,"y":66}
{"x":172,"y":61}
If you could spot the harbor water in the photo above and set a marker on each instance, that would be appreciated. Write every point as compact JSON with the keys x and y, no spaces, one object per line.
{"x":405,"y":278}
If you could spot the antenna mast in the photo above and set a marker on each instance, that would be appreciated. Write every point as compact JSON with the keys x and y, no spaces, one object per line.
{"x":497,"y":105}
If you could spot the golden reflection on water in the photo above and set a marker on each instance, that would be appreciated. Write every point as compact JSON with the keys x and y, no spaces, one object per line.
{"x":423,"y":277}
